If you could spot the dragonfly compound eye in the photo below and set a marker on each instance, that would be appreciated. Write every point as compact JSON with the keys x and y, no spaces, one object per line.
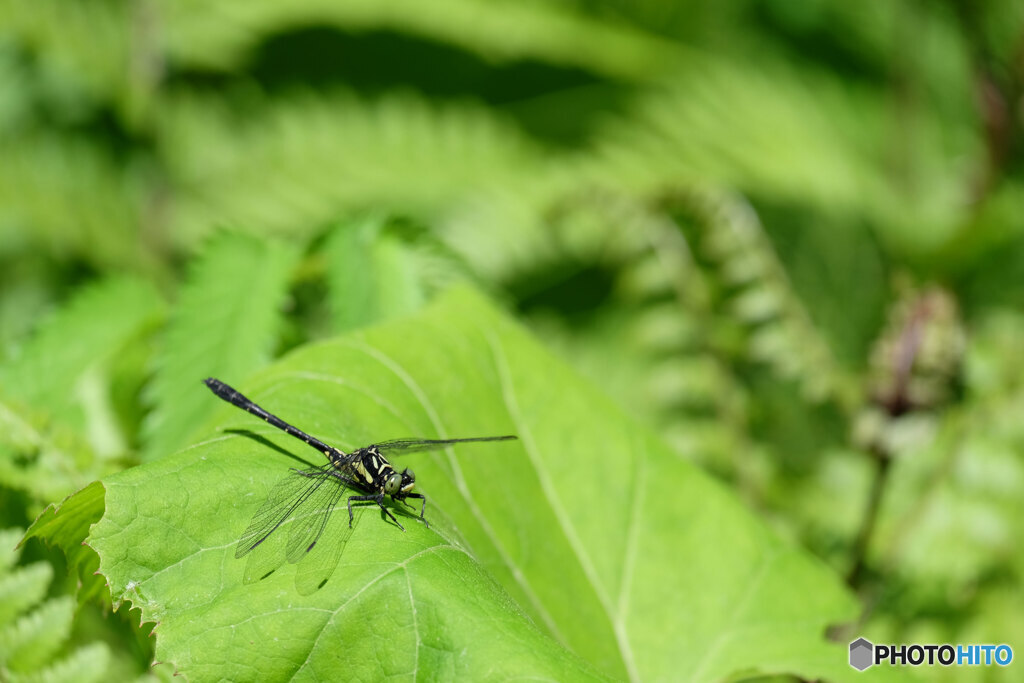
{"x":393,"y":484}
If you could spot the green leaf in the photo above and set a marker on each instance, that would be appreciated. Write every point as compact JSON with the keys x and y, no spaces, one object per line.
{"x":50,"y":372}
{"x":87,"y":663}
{"x":331,"y":152}
{"x":225,"y":324}
{"x":34,"y":638}
{"x":22,"y":588}
{"x":588,"y":533}
{"x":28,"y":639}
{"x":67,"y":195}
{"x":65,"y":526}
{"x":548,"y":32}
{"x":371,"y":276}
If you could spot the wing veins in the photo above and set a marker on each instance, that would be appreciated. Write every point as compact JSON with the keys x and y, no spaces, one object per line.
{"x":285,"y":490}
{"x":311,"y":524}
{"x":403,"y":446}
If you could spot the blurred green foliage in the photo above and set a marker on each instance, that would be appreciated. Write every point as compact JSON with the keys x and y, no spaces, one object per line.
{"x":788,"y":236}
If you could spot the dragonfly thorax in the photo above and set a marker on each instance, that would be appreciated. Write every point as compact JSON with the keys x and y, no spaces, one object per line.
{"x":371,"y":471}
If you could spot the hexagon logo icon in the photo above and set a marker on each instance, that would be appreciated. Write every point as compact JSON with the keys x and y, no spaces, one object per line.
{"x":861,"y":654}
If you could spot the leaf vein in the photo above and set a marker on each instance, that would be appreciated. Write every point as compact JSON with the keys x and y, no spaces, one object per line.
{"x":369,"y":584}
{"x":548,"y":489}
{"x":460,"y":482}
{"x":729,"y":624}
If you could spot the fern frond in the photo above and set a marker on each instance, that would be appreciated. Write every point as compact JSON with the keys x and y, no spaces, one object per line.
{"x":46,"y":631}
{"x":82,"y":48}
{"x":22,"y":588}
{"x":761,"y":298}
{"x":45,"y":458}
{"x":70,"y":198}
{"x":287,"y":166}
{"x":9,"y":550}
{"x":86,"y":664}
{"x":768,"y":134}
{"x":34,"y":638}
{"x":793,"y":136}
{"x":223,"y":34}
{"x":224,"y":324}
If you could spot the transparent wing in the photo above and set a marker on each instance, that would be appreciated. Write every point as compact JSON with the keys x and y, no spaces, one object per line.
{"x":287,"y":496}
{"x":403,"y":446}
{"x":312,"y":519}
{"x":299,"y":509}
{"x":319,"y":564}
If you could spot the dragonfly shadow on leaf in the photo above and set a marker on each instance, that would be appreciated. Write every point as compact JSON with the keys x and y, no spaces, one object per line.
{"x":264,"y":441}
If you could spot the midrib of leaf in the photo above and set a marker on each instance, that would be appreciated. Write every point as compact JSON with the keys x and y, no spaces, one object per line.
{"x":552,"y":498}
{"x":243,"y":276}
{"x":460,"y":482}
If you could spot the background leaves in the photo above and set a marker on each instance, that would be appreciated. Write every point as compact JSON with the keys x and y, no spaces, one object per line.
{"x":784,"y":238}
{"x":226,"y":324}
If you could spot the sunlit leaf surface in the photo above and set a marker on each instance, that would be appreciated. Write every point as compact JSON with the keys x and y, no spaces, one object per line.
{"x":585,"y":548}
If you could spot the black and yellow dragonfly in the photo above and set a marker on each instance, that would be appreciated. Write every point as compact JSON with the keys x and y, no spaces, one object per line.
{"x":305,"y":499}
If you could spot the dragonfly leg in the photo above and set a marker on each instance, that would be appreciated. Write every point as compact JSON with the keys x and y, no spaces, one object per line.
{"x":423,"y":508}
{"x":379,"y":500}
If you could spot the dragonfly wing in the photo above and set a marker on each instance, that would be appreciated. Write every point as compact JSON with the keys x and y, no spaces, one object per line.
{"x":266,"y":560}
{"x":311,"y":520}
{"x":319,"y":564}
{"x":287,"y":496}
{"x":403,"y":446}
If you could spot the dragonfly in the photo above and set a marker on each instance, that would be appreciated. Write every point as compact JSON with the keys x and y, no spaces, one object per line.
{"x":306,"y":498}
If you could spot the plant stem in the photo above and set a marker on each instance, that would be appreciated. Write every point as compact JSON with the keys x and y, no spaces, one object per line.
{"x":855,"y":577}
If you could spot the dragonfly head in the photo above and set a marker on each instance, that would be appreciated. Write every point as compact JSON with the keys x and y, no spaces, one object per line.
{"x":398,"y":486}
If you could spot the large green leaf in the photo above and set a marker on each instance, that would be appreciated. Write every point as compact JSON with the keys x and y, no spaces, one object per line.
{"x":587,"y":536}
